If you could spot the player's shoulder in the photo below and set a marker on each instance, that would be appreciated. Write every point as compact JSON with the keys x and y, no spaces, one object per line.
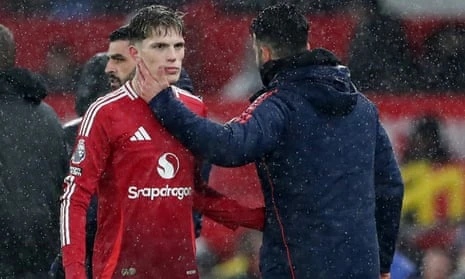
{"x":186,"y":96}
{"x":103,"y":108}
{"x":115,"y":98}
{"x":194,"y":103}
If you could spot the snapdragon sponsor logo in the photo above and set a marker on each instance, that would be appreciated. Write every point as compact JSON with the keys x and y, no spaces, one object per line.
{"x":168,"y":165}
{"x":153,"y":193}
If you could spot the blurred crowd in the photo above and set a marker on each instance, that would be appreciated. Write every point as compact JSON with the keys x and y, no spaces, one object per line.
{"x":380,"y":54}
{"x":86,"y":8}
{"x":432,"y":243}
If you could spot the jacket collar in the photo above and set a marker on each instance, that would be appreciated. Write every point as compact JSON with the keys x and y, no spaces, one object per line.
{"x":318,"y":57}
{"x":22,"y":83}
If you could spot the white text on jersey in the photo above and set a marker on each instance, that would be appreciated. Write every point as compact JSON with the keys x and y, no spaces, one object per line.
{"x":152,"y":193}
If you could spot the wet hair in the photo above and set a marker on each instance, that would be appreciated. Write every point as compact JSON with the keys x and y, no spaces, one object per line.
{"x":155,"y":18}
{"x":7,"y":48}
{"x":120,"y":34}
{"x":283,"y":28}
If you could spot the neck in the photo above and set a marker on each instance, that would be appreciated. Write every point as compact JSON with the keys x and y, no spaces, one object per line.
{"x":135,"y":86}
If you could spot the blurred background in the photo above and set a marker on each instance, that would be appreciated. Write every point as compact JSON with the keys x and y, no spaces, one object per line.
{"x":406,"y":56}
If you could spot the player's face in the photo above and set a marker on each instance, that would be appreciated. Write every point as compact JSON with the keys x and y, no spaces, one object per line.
{"x":163,"y":49}
{"x":121,"y":65}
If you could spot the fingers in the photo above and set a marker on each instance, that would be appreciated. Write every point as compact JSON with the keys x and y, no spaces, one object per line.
{"x":145,"y":74}
{"x":160,"y":77}
{"x":145,"y":69}
{"x":141,"y":70}
{"x":148,"y":84}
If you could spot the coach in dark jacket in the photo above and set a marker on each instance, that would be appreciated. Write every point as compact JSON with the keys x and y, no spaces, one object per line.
{"x":32,"y":167}
{"x":332,"y":187}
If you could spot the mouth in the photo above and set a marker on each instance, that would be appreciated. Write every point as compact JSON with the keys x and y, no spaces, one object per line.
{"x":114,"y":82}
{"x":171,"y":70}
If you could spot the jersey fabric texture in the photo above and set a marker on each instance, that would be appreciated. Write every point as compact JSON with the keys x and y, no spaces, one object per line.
{"x":144,"y":182}
{"x":93,"y":83}
{"x":332,"y":186}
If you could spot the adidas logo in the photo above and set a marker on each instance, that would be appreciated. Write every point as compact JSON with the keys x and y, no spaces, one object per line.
{"x":140,"y":135}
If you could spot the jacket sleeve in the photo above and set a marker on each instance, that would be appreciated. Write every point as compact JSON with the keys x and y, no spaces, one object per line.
{"x":238,"y":142}
{"x":86,"y":167}
{"x":389,"y":190}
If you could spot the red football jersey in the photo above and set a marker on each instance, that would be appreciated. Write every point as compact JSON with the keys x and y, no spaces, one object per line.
{"x":144,"y":180}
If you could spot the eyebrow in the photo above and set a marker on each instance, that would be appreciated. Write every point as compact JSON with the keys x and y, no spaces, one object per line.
{"x":160,"y":44}
{"x":167,"y":44}
{"x":116,"y":56}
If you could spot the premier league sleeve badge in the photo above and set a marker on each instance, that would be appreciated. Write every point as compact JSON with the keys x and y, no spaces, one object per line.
{"x":79,"y":153}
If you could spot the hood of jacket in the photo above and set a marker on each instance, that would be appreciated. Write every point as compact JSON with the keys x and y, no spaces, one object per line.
{"x":318,"y":76}
{"x":93,"y":83}
{"x":22,"y":83}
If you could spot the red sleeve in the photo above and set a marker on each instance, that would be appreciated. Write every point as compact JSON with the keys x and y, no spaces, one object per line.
{"x":227,"y":211}
{"x":87,"y":163}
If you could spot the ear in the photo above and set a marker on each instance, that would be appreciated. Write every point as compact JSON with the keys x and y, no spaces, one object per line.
{"x":308,"y":45}
{"x":133,"y":52}
{"x":266,"y":53}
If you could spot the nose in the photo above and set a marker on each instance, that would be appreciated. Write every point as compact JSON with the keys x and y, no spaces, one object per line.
{"x":109,"y":67}
{"x":171,"y":55}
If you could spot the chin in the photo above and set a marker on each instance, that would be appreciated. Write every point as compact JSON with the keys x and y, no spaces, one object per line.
{"x":173,"y":79}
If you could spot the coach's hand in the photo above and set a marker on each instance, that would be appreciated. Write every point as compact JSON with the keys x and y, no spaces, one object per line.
{"x":148,"y":85}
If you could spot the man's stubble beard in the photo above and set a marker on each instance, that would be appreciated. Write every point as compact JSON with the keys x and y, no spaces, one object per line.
{"x":131,"y":75}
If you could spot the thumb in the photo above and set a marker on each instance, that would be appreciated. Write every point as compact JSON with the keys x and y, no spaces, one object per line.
{"x":161,"y":77}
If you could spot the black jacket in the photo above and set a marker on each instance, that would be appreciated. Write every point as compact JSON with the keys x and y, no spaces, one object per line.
{"x":32,"y":168}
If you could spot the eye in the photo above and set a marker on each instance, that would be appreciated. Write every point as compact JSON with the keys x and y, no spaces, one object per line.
{"x":179,"y":45}
{"x":117,"y":58}
{"x":158,"y":46}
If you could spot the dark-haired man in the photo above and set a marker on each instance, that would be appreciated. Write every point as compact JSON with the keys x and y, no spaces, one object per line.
{"x":331,"y":183}
{"x":120,"y":67}
{"x":146,"y":182}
